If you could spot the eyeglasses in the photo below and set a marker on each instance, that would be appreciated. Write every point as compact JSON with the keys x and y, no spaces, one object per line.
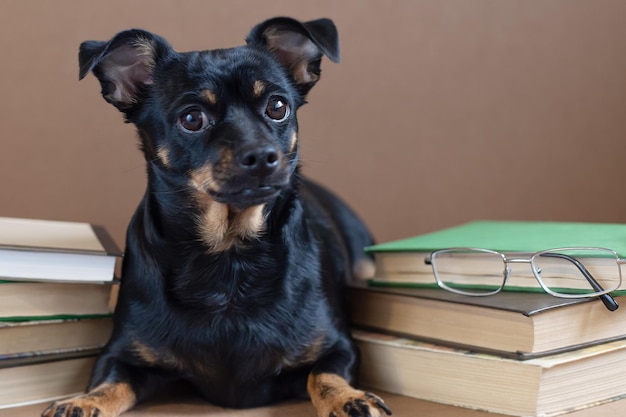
{"x":563,"y":272}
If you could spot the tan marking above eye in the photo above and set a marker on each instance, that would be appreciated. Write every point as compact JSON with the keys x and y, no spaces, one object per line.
{"x":209,"y":96}
{"x":258,"y":88}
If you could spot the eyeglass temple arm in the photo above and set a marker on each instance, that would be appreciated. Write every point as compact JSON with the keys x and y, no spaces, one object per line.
{"x":607,"y":299}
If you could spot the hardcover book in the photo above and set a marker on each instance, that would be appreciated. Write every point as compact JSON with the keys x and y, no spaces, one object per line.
{"x":514,"y":236}
{"x":48,"y":334}
{"x":405,"y":261}
{"x":44,"y":378}
{"x":511,"y":324}
{"x":548,"y":386}
{"x":21,"y":300}
{"x":54,"y":250}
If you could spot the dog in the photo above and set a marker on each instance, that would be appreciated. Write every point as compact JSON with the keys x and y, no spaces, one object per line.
{"x":235,"y":264}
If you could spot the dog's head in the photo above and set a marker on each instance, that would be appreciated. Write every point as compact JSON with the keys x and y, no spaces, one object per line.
{"x":222,"y":122}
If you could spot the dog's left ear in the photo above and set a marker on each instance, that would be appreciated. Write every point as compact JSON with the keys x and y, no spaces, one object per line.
{"x":298,"y":46}
{"x":124,"y":65}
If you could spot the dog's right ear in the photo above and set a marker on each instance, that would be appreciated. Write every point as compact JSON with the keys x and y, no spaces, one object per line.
{"x":298,"y":46}
{"x":124,"y":65}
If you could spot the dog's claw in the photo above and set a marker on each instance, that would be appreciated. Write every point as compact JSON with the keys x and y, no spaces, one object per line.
{"x":365,"y":404}
{"x":379,"y":402}
{"x":77,"y":412}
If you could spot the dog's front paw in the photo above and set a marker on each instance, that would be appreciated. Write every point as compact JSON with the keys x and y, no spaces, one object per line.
{"x":107,"y":400}
{"x":354,"y":403}
{"x":365,"y":404}
{"x":333,"y":396}
{"x":75,"y":407}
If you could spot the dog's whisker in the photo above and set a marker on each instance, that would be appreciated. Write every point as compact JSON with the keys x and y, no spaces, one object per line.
{"x":133,"y":168}
{"x":169,"y":192}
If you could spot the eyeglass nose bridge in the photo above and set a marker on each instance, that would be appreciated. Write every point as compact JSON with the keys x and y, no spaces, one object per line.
{"x":536,"y":270}
{"x":508,"y":270}
{"x":517,"y":260}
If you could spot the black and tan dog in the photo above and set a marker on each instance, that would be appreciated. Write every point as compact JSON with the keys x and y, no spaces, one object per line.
{"x":234,"y":265}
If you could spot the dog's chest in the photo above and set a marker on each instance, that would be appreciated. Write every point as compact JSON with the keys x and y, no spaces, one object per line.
{"x":241,"y":346}
{"x":236,"y":317}
{"x":228,"y":286}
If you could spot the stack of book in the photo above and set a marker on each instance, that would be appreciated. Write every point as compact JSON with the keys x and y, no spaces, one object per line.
{"x":56,"y":280}
{"x":520,"y":352}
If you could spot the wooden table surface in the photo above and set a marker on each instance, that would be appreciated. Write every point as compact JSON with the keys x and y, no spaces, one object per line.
{"x":401,"y":407}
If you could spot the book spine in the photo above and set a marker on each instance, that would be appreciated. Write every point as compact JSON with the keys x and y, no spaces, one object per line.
{"x":107,"y":241}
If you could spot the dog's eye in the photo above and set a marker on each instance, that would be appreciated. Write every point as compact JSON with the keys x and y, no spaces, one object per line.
{"x":277,"y":109}
{"x":193,"y":120}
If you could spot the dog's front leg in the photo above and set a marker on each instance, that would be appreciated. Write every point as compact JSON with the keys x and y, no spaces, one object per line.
{"x":115,"y":387}
{"x":330,"y":390}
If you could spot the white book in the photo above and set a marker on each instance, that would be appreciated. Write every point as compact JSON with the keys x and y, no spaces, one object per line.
{"x":56,"y":250}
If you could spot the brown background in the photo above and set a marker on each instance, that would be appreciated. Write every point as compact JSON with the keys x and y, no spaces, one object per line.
{"x":439,"y":113}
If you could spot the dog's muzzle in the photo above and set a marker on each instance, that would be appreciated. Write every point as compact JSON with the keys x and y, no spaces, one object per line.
{"x":257,"y":175}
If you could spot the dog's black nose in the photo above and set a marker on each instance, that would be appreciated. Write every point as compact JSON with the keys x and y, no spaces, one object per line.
{"x":259,"y":160}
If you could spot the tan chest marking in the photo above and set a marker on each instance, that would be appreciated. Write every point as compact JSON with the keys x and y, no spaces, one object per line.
{"x":220,"y":227}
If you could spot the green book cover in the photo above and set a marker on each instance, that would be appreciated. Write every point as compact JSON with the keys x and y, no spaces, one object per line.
{"x":17,"y":319}
{"x":514,"y":236}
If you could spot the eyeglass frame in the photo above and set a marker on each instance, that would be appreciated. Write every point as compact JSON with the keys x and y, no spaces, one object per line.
{"x":603,"y":295}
